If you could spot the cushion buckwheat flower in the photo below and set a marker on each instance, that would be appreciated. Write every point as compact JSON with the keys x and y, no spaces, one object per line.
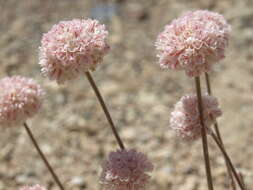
{"x":35,"y":187}
{"x":126,"y":170}
{"x":185,"y":117}
{"x":20,"y":98}
{"x":71,"y":48}
{"x":193,"y":42}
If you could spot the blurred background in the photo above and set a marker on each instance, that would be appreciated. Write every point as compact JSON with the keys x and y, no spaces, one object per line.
{"x":71,"y":128}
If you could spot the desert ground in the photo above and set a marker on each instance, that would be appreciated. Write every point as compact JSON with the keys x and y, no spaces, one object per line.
{"x":71,"y":127}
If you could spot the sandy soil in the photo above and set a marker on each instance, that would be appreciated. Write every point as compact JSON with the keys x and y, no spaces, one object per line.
{"x":71,"y":127}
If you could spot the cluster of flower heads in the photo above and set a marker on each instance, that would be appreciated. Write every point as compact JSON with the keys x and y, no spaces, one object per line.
{"x":193,"y":42}
{"x":126,"y":170}
{"x":71,"y":48}
{"x":35,"y":187}
{"x":185,"y":118}
{"x":20,"y":98}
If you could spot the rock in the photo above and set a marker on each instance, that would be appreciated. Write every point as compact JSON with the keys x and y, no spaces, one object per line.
{"x":78,"y":181}
{"x":190,"y":183}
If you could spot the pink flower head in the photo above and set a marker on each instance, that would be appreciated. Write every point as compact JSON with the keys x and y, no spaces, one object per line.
{"x":185,"y":117}
{"x":126,"y":170}
{"x":71,"y":48}
{"x":20,"y":98}
{"x":193,"y":42}
{"x":35,"y":187}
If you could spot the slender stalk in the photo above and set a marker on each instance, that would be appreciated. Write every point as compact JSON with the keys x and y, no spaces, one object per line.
{"x":208,"y":84}
{"x":228,"y":159}
{"x":107,"y":114}
{"x":43,"y":157}
{"x":217,"y":131}
{"x":242,"y":180}
{"x":203,"y":135}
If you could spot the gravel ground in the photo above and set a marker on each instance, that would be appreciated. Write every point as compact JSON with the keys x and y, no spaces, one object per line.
{"x":71,"y":127}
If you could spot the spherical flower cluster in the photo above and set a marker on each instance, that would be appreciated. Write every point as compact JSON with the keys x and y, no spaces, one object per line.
{"x":126,"y":170}
{"x":71,"y":48}
{"x":35,"y":187}
{"x":193,"y":42}
{"x":20,"y":98}
{"x":185,"y":117}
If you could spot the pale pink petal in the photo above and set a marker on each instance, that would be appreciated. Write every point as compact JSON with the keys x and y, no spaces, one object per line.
{"x":20,"y":99}
{"x":126,"y":170}
{"x":72,"y":48}
{"x":185,"y":116}
{"x":193,"y":42}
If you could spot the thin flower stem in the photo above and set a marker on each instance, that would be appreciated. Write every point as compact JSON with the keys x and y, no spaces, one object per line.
{"x":203,"y":135}
{"x":107,"y":114}
{"x":242,"y":180}
{"x":208,"y":84}
{"x":43,"y":157}
{"x":228,"y":159}
{"x":217,"y":131}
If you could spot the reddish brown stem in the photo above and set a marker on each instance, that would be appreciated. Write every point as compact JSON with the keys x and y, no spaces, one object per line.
{"x":203,"y":135}
{"x":43,"y":157}
{"x":107,"y":114}
{"x":242,"y":180}
{"x":217,"y":131}
{"x":228,"y":160}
